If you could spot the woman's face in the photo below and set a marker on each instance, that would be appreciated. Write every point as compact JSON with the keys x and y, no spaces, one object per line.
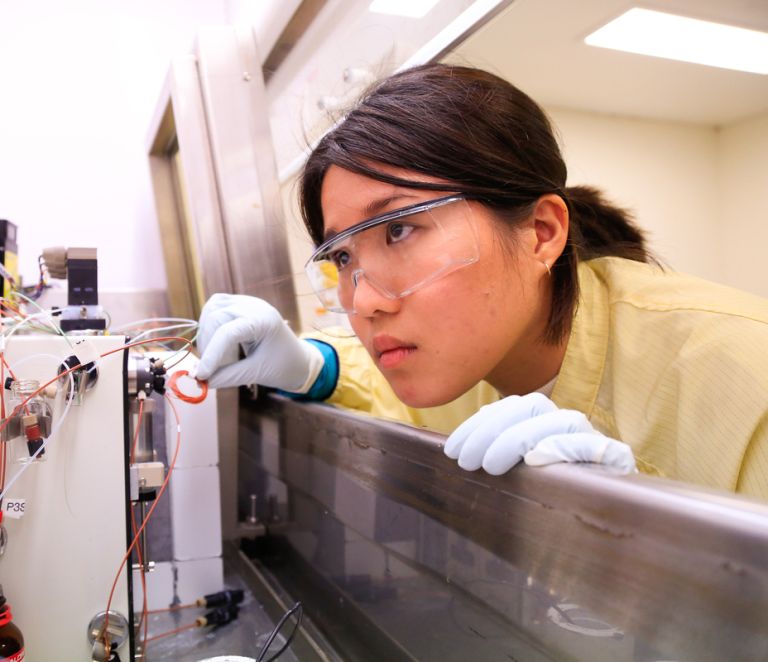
{"x":482,"y":321}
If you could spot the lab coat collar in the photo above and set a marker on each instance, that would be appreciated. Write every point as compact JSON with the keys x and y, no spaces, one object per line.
{"x":585,"y":356}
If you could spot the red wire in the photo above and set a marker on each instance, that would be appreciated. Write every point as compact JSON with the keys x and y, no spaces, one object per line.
{"x":146,"y":519}
{"x":5,"y":365}
{"x":191,"y":399}
{"x":143,"y":580}
{"x":189,"y":626}
{"x":12,"y":308}
{"x":146,"y":341}
{"x":2,"y":386}
{"x":64,"y":373}
{"x":175,"y":608}
{"x":139,"y":555}
{"x":160,"y":492}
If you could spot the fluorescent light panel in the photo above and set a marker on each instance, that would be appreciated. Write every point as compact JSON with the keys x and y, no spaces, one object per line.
{"x":409,"y":8}
{"x":658,"y":34}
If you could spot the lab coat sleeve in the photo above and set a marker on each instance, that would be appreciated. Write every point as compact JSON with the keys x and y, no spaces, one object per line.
{"x":721,"y":384}
{"x":753,"y":479}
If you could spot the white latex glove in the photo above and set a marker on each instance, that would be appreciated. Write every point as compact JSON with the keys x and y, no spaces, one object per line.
{"x":533,"y":428}
{"x":274,"y":356}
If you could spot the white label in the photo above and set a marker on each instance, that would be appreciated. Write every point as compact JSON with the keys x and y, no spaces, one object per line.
{"x":14,"y":508}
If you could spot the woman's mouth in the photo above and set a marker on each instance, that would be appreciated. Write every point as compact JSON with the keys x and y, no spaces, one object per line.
{"x":391,"y":352}
{"x":394,"y":357}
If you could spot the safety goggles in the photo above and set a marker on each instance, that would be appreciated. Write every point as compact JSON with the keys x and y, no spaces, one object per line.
{"x":397,"y":253}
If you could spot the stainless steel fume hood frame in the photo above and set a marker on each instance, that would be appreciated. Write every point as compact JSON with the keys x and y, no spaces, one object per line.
{"x":374,"y":528}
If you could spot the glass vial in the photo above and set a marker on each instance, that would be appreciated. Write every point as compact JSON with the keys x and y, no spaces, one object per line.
{"x":33,"y":419}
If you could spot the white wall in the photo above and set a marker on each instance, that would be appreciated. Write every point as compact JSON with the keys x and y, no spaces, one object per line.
{"x":743,"y":231}
{"x":694,"y":189}
{"x":80,"y":80}
{"x":699,"y":191}
{"x":665,"y":172}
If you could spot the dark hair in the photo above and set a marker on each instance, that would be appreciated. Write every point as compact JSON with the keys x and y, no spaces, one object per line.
{"x":489,"y":141}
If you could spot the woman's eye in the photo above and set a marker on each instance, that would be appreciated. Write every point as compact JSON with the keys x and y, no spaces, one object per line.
{"x":341,"y":259}
{"x":398,"y":231}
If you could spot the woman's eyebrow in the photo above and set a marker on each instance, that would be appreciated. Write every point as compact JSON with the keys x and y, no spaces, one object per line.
{"x":372,"y":209}
{"x":376,"y":206}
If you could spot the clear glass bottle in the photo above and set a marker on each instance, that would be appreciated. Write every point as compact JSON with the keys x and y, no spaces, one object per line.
{"x":32,"y":421}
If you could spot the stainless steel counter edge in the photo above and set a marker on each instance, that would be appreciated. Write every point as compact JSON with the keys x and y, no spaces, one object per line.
{"x":664,"y":560}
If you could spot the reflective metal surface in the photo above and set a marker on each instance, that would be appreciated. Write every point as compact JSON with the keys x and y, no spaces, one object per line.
{"x":378,"y":531}
{"x":215,"y":179}
{"x":218,"y":197}
{"x":252,"y":217}
{"x":186,"y":193}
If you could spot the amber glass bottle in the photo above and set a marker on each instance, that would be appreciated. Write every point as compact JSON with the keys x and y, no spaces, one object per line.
{"x":11,"y":639}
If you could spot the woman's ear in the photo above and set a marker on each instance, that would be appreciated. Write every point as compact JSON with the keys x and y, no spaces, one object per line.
{"x":550,"y":225}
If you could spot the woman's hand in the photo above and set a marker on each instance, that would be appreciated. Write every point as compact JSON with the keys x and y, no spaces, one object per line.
{"x":274,"y":356}
{"x":534,"y":429}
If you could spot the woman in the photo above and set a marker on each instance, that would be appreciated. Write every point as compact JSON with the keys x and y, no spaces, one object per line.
{"x":446,"y":232}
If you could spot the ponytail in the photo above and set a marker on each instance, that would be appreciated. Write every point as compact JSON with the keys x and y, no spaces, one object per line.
{"x":469,"y":131}
{"x":597,"y":228}
{"x":601,"y":229}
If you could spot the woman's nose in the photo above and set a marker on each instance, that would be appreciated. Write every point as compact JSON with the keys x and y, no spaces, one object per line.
{"x":370,"y":299}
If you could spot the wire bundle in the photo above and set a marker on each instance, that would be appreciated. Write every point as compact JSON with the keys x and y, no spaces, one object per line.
{"x":14,"y":320}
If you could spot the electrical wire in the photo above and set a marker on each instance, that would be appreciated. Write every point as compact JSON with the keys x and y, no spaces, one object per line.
{"x":173,"y":353}
{"x":139,"y":555}
{"x":12,"y":307}
{"x":54,"y":429}
{"x":39,"y":390}
{"x":171,"y":327}
{"x":265,"y":648}
{"x":35,"y":316}
{"x":6,"y":366}
{"x":191,"y":605}
{"x":56,"y":327}
{"x":36,"y":290}
{"x":139,"y":323}
{"x":187,"y":352}
{"x":68,"y":372}
{"x":183,"y":628}
{"x":191,"y":399}
{"x":40,"y":309}
{"x":146,"y":519}
{"x":64,"y":373}
{"x":13,"y":375}
{"x":157,"y":498}
{"x":143,"y":620}
{"x":19,"y":364}
{"x":187,"y":343}
{"x":185,"y":326}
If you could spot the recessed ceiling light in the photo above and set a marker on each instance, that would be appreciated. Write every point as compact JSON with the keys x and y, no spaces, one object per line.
{"x":680,"y":38}
{"x":409,"y":8}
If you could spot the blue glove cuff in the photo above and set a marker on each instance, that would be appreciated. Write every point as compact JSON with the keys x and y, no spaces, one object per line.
{"x":326,"y":381}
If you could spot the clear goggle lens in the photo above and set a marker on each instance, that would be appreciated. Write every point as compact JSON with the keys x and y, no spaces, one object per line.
{"x":397,"y":253}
